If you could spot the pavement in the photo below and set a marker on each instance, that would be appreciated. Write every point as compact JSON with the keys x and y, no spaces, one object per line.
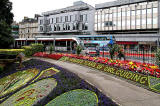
{"x":120,"y":91}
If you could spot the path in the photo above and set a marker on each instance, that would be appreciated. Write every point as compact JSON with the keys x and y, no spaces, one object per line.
{"x":122,"y":92}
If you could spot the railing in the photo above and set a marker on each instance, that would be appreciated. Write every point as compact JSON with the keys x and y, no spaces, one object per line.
{"x":144,"y":56}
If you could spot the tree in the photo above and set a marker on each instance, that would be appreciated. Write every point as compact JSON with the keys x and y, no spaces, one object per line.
{"x":78,"y":49}
{"x":113,"y":48}
{"x":6,"y":19}
{"x":158,"y":57}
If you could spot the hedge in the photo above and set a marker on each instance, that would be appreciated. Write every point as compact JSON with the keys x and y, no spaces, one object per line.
{"x":11,"y":51}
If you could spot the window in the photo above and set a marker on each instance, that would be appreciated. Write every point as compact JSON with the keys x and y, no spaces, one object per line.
{"x":106,"y":16}
{"x":143,"y":21}
{"x":119,"y":14}
{"x":57,"y":19}
{"x":41,"y":28}
{"x":144,"y":11}
{"x":52,"y":20}
{"x":128,"y":13}
{"x":110,"y":16}
{"x":81,"y":17}
{"x":66,"y":18}
{"x":138,"y":22}
{"x":138,"y":12}
{"x":155,"y":21}
{"x":108,"y":23}
{"x":155,"y":10}
{"x":149,"y":11}
{"x":133,"y":13}
{"x":123,"y":14}
{"x":41,"y":22}
{"x":149,"y":21}
{"x":114,"y":15}
{"x":71,"y":17}
{"x":85,"y":26}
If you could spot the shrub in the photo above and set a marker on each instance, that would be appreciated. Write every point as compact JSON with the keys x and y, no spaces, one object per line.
{"x":32,"y":49}
{"x":78,"y":49}
{"x":1,"y":68}
{"x":11,"y":51}
{"x":36,"y":47}
{"x":158,"y":57}
{"x":28,"y":50}
{"x":51,"y":48}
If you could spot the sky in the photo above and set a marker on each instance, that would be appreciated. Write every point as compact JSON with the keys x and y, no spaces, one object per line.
{"x":21,"y":8}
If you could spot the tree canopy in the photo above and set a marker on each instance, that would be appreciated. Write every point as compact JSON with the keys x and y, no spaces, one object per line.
{"x":6,"y":19}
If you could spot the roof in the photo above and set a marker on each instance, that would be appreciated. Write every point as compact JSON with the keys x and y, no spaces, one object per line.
{"x":118,"y":3}
{"x":75,"y":7}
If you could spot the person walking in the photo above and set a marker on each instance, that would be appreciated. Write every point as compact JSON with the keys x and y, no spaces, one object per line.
{"x":87,"y":51}
{"x":97,"y":51}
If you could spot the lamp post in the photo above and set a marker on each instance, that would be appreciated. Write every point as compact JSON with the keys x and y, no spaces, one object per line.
{"x":103,"y":50}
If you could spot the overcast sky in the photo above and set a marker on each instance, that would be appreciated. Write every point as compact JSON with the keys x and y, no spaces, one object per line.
{"x":28,"y":8}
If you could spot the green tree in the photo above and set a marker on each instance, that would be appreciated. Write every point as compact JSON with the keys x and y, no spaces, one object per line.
{"x":113,"y":49}
{"x":158,"y":57}
{"x":78,"y":49}
{"x":6,"y":19}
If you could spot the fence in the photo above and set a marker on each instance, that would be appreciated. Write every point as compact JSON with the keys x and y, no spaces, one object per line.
{"x":144,"y":56}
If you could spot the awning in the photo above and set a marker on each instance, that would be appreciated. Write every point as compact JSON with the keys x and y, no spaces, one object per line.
{"x":126,"y":42}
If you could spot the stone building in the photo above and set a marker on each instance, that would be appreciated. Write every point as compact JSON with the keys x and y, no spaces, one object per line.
{"x":28,"y":28}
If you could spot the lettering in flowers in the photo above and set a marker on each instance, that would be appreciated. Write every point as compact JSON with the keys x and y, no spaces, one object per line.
{"x":136,"y":77}
{"x":79,"y":97}
{"x":47,"y":73}
{"x":154,"y":83}
{"x":31,"y":94}
{"x":14,"y":81}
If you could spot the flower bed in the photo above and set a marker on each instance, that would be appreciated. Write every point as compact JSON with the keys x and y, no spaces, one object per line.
{"x":66,"y":82}
{"x":78,"y":97}
{"x":143,"y":68}
{"x":124,"y":73}
{"x":14,"y":81}
{"x":31,"y":94}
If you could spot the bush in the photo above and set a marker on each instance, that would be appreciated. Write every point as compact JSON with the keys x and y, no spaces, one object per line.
{"x":78,"y":49}
{"x":37,"y":47}
{"x":51,"y":48}
{"x":11,"y":51}
{"x":28,"y":50}
{"x":1,"y":68}
{"x":158,"y":57}
{"x":32,"y":49}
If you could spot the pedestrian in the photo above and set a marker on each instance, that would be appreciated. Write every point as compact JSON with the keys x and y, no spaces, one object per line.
{"x":87,"y":51}
{"x":121,"y":53}
{"x":97,"y":51}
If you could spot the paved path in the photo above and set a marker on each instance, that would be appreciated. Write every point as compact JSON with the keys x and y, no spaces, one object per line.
{"x":120,"y":91}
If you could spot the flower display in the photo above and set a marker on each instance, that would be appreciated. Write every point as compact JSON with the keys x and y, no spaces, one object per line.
{"x":78,"y":97}
{"x":46,"y":73}
{"x":144,"y":68}
{"x":51,"y":82}
{"x":14,"y":81}
{"x":31,"y":94}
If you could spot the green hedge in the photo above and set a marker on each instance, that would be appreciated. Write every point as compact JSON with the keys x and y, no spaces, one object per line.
{"x":11,"y":51}
{"x":32,"y":49}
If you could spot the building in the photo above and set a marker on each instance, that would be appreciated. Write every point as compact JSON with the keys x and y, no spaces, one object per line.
{"x":15,"y":30}
{"x":28,"y":29}
{"x":134,"y":23}
{"x":65,"y":23}
{"x":73,"y":20}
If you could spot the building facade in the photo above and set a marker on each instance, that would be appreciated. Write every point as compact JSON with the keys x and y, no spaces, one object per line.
{"x":74,"y":20}
{"x":15,"y":30}
{"x":28,"y":28}
{"x":132,"y":22}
